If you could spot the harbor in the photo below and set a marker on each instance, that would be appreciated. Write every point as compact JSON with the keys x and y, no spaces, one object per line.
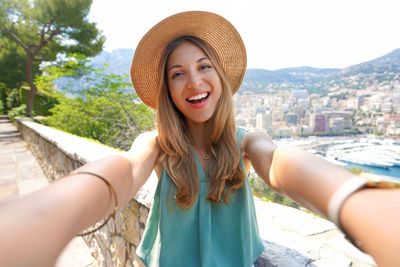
{"x":380,"y":156}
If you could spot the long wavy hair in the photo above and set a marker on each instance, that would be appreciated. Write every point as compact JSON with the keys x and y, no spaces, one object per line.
{"x":177,"y":158}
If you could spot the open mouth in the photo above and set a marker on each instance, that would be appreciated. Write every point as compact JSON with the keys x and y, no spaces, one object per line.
{"x":198,"y":98}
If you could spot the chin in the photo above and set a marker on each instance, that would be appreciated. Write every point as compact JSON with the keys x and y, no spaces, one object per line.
{"x":198,"y":120}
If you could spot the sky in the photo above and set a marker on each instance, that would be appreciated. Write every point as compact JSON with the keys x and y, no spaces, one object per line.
{"x":277,"y":33}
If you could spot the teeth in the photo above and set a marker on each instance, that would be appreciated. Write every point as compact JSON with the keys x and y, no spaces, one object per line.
{"x":197,"y":97}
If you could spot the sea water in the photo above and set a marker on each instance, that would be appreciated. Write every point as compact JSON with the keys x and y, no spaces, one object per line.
{"x":390,"y":171}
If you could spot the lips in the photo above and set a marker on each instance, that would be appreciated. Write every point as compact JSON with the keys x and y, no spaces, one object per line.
{"x":198,"y":98}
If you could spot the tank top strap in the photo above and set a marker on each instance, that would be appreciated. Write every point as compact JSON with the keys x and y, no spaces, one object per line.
{"x":240,"y":131}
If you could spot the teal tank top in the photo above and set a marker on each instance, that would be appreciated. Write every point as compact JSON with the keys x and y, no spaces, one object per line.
{"x":206,"y":234}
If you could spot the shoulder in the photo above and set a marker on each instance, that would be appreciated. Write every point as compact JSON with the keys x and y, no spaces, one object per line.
{"x":146,"y":140}
{"x":255,"y":140}
{"x":147,"y":136}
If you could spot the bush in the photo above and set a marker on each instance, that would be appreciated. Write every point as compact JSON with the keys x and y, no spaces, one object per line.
{"x":105,"y":108}
{"x":13,"y":99}
{"x":107,"y":111}
{"x":42,"y":103}
{"x":16,"y":112}
{"x":262,"y":191}
{"x":357,"y":171}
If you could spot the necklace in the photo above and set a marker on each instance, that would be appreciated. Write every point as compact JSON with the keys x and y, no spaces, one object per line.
{"x":207,"y":156}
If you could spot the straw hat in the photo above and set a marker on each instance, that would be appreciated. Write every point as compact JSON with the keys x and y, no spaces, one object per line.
{"x":212,"y":28}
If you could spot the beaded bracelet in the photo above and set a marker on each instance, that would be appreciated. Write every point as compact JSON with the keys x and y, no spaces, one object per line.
{"x":112,"y":191}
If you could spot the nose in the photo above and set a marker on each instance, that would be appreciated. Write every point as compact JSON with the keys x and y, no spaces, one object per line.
{"x":194,"y":80}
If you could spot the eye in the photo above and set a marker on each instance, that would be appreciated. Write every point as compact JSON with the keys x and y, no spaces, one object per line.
{"x":205,"y":66}
{"x":176,"y":74}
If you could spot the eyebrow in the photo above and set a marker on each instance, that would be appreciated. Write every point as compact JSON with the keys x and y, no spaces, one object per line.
{"x":178,"y":65}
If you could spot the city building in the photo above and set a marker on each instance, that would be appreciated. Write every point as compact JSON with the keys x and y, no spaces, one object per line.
{"x":299,"y":94}
{"x":320,"y":123}
{"x":336,"y":125}
{"x":292,"y":118}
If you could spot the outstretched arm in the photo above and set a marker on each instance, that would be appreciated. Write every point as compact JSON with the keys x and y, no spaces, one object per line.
{"x":35,"y":228}
{"x":369,"y":216}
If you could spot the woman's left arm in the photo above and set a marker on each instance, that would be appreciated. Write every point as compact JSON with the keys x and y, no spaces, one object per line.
{"x":312,"y":181}
{"x":292,"y":172}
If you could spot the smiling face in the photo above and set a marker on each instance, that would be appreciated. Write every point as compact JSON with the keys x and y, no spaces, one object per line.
{"x":193,"y":82}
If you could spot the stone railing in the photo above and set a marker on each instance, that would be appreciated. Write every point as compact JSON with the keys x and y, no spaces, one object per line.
{"x":295,"y":238}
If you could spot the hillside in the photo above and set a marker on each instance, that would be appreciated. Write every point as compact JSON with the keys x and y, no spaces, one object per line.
{"x":261,"y":81}
{"x":119,"y":60}
{"x":377,"y":72}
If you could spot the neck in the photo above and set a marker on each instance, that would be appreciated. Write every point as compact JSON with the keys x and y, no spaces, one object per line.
{"x":197,"y":133}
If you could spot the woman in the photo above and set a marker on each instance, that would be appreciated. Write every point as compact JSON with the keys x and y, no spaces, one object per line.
{"x":203,"y":211}
{"x":187,"y":67}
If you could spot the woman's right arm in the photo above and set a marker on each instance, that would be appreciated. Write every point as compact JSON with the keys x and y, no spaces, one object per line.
{"x":142,"y":156}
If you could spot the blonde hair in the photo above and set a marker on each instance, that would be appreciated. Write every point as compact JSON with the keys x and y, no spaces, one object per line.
{"x":224,"y":171}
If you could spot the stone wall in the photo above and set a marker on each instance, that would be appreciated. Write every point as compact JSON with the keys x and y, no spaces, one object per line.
{"x":291,"y":237}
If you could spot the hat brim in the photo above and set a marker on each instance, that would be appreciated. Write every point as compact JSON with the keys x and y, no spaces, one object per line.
{"x":215,"y":30}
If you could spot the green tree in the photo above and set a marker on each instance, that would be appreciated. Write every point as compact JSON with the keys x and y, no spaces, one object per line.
{"x":44,"y":28}
{"x":107,"y":110}
{"x":12,"y":67}
{"x":12,"y":72}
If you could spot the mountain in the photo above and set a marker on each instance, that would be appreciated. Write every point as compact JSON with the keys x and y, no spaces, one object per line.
{"x":119,"y":60}
{"x":116,"y":62}
{"x":375,"y":72}
{"x":259,"y":80}
{"x":293,"y":75}
{"x":387,"y":63}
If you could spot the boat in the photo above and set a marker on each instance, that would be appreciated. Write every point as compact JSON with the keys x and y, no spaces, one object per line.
{"x":361,"y":159}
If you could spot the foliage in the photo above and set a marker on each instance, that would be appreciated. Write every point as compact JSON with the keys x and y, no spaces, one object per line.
{"x":339,"y":133}
{"x":12,"y":63}
{"x":3,"y":94}
{"x":42,"y":103}
{"x":16,"y":112}
{"x":107,"y":110}
{"x":262,"y":191}
{"x":9,"y":98}
{"x":45,"y":28}
{"x":51,"y":26}
{"x":13,"y":98}
{"x":356,"y":171}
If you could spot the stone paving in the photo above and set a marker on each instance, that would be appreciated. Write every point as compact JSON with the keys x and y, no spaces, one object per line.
{"x":20,"y":174}
{"x":298,"y":239}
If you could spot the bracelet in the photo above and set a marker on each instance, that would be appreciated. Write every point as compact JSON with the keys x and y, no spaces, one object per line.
{"x":348,"y":188}
{"x":112,"y":192}
{"x":341,"y":194}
